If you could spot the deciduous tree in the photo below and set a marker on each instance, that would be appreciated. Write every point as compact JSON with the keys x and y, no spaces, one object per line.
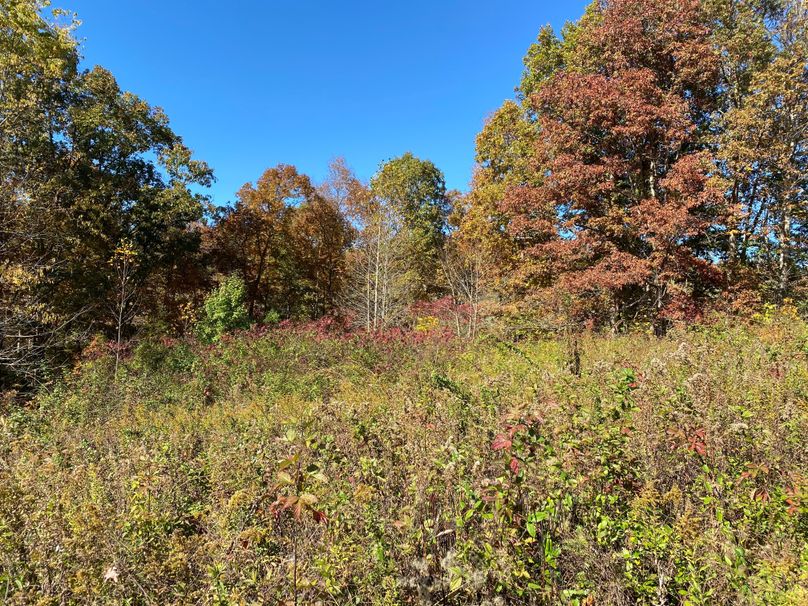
{"x":415,"y":190}
{"x":762,"y":137}
{"x":252,"y":238}
{"x":83,"y":166}
{"x":625,"y":198}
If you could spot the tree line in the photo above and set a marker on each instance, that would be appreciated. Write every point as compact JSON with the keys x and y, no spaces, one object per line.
{"x":651,"y":168}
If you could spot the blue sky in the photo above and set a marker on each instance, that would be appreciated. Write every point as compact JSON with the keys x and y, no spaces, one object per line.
{"x":250,"y":84}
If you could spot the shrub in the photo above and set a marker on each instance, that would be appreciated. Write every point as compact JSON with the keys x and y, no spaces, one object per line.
{"x":224,"y":311}
{"x":272,"y":318}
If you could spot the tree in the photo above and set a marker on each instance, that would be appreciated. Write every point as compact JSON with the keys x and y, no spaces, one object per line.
{"x":123,"y":175}
{"x":625,"y":200}
{"x":123,"y":305}
{"x":761,"y":139}
{"x":705,"y":96}
{"x":321,"y":235}
{"x":464,"y":267}
{"x":378,"y":285}
{"x":415,"y":190}
{"x":36,"y":62}
{"x":504,"y":156}
{"x":345,"y":191}
{"x":504,"y":149}
{"x":253,"y":239}
{"x":289,"y":243}
{"x":381,"y":286}
{"x":401,"y":222}
{"x":83,"y":166}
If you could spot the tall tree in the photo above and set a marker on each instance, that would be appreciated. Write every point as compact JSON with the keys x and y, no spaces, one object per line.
{"x":287,"y":241}
{"x":415,"y":190}
{"x":740,"y":108}
{"x":321,"y":235}
{"x":37,"y":60}
{"x":379,"y":282}
{"x":465,"y":268}
{"x":381,"y":285}
{"x":625,"y":198}
{"x":761,"y":140}
{"x":504,"y":151}
{"x":83,"y":166}
{"x":504,"y":155}
{"x":253,"y":238}
{"x":345,"y":191}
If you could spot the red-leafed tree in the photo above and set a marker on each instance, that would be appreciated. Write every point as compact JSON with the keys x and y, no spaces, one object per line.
{"x":620,"y":218}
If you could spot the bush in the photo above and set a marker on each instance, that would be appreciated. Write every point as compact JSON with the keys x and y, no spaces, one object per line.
{"x":272,"y":318}
{"x":224,"y":311}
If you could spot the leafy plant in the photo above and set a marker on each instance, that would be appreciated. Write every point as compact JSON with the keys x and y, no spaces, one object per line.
{"x":224,"y":310}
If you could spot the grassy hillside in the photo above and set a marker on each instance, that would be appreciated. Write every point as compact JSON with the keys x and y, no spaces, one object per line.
{"x":290,"y":467}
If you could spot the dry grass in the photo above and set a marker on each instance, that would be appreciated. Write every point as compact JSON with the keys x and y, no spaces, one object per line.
{"x":671,"y":471}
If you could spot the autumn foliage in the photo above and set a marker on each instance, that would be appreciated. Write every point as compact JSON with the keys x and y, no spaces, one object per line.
{"x":625,"y":197}
{"x":651,"y":170}
{"x":609,"y":182}
{"x":580,"y":382}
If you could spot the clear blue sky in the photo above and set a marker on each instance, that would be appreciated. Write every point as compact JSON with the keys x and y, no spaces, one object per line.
{"x":250,"y":84}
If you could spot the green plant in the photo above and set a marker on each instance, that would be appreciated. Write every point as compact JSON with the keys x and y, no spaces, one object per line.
{"x":224,"y":310}
{"x":670,"y":471}
{"x":272,"y":317}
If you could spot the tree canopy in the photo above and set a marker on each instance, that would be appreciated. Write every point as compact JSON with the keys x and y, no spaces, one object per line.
{"x":650,"y":169}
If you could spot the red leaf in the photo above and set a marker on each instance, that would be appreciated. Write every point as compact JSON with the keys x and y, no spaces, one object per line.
{"x":319,"y":517}
{"x":761,"y":494}
{"x":516,"y":429}
{"x":697,"y":446}
{"x":501,"y":442}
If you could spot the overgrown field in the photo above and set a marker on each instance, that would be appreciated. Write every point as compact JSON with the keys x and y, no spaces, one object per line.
{"x":285,"y":467}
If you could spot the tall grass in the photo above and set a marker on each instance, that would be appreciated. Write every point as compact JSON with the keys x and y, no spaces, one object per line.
{"x":290,"y":468}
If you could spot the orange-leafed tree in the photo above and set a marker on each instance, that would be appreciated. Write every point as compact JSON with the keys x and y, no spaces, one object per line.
{"x":287,"y":241}
{"x":320,"y":237}
{"x":252,"y":238}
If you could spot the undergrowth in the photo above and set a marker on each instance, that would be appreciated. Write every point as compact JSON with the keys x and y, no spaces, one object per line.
{"x":288,"y":467}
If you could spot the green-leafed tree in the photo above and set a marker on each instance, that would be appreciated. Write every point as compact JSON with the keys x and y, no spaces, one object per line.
{"x":36,"y":63}
{"x":415,"y":190}
{"x":84,"y":167}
